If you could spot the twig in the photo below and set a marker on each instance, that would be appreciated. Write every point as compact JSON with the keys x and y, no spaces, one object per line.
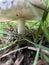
{"x":27,"y":47}
{"x":18,"y":60}
{"x":12,"y":52}
{"x":45,"y":51}
{"x":32,"y":48}
{"x":42,"y":50}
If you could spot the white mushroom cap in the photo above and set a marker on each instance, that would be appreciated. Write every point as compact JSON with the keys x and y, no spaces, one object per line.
{"x":19,"y":9}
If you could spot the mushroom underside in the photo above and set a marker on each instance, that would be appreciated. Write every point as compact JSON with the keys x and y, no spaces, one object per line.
{"x":21,"y":10}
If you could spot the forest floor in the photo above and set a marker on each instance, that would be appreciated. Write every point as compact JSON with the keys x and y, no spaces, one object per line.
{"x":23,"y":55}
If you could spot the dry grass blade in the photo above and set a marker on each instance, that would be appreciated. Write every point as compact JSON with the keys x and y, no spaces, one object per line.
{"x":12,"y":52}
{"x":19,"y":60}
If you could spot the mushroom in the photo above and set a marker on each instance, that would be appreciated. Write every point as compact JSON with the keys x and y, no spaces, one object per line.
{"x":20,"y":10}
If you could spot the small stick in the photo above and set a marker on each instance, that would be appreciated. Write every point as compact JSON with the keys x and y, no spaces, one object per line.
{"x":27,"y":47}
{"x":12,"y":52}
{"x":42,"y":50}
{"x":18,"y":60}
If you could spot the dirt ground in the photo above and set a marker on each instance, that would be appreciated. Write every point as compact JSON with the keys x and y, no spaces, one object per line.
{"x":22,"y":57}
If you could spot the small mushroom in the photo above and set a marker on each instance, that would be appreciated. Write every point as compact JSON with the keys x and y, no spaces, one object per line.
{"x":20,"y":10}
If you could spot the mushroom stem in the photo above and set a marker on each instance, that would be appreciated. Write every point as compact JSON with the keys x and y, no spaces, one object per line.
{"x":21,"y":26}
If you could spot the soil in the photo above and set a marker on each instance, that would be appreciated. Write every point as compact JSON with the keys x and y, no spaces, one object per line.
{"x":22,"y":57}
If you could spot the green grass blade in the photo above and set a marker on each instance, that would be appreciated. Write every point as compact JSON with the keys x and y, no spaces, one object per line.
{"x":33,"y":9}
{"x":45,"y":57}
{"x":37,"y":6}
{"x":46,"y":31}
{"x":36,"y":45}
{"x":37,"y":54}
{"x":4,"y":32}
